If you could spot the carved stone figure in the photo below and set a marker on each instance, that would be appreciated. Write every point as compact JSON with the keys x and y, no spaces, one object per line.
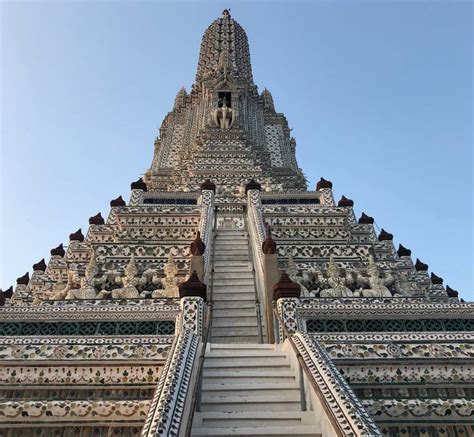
{"x":129,"y":282}
{"x":334,"y":282}
{"x":223,"y":116}
{"x":170,"y":281}
{"x":377,"y":284}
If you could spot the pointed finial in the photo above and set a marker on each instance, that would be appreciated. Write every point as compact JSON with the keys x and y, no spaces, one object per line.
{"x":450,"y":291}
{"x":23,"y":280}
{"x":323,"y":183}
{"x":197,"y":246}
{"x":252,"y":185}
{"x":76,"y":236}
{"x":39,"y":266}
{"x":345,"y":202}
{"x":138,"y":185}
{"x":269,"y":246}
{"x":58,"y":251}
{"x":285,"y":287}
{"x":403,"y":251}
{"x":193,"y":287}
{"x":420,"y":267}
{"x":436,"y":280}
{"x":366,"y":219}
{"x":96,"y":219}
{"x":385,"y":236}
{"x":117,"y":202}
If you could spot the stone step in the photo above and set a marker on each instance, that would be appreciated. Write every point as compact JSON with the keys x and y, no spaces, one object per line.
{"x":234,"y":333}
{"x":237,"y":286}
{"x":229,"y":257}
{"x":244,"y":389}
{"x":233,"y":312}
{"x":286,"y":402}
{"x":262,"y":346}
{"x":244,"y":352}
{"x":236,"y":282}
{"x":218,"y":263}
{"x":216,"y":337}
{"x":234,"y":304}
{"x":231,"y":247}
{"x":233,"y":275}
{"x":235,"y":297}
{"x":248,"y":376}
{"x":232,"y":241}
{"x":230,"y":269}
{"x":252,"y":419}
{"x":240,"y":255}
{"x":228,"y":322}
{"x":242,"y":363}
{"x":283,"y":430}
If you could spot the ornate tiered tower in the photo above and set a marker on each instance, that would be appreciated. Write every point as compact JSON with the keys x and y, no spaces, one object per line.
{"x":224,"y":298}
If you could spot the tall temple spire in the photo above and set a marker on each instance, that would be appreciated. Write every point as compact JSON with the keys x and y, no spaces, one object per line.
{"x":224,"y":46}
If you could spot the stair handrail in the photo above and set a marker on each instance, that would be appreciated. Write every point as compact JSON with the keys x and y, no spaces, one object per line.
{"x":197,"y":389}
{"x":303,"y":365}
{"x":257,"y":299}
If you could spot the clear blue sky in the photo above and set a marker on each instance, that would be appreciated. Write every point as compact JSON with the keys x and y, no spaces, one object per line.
{"x":379,"y":95}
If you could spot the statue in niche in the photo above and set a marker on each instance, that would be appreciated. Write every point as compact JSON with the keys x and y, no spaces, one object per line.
{"x":335,"y":282}
{"x":78,"y":287}
{"x":223,"y":116}
{"x":61,"y":290}
{"x":405,"y":288}
{"x":87,"y":289}
{"x":170,"y":281}
{"x":130,"y":280}
{"x":377,"y":284}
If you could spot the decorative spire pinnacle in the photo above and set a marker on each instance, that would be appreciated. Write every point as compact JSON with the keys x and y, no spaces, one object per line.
{"x":224,"y":49}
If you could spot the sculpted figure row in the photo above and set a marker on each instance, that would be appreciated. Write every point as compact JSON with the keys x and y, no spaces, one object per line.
{"x":129,"y":285}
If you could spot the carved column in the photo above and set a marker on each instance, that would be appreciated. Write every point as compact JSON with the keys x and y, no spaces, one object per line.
{"x":138,"y":188}
{"x":206,"y":222}
{"x":193,"y":295}
{"x":287,"y":295}
{"x":324,"y":188}
{"x":271,"y":275}
{"x":197,"y":259}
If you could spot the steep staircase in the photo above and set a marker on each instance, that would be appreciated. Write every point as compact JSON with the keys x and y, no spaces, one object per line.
{"x":234,"y":316}
{"x":248,"y":389}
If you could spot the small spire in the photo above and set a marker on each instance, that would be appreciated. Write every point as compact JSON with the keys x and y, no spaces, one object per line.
{"x":39,"y":266}
{"x":96,"y":219}
{"x":420,"y":267}
{"x":436,"y":280}
{"x":197,"y":246}
{"x":403,"y":251}
{"x":450,"y":291}
{"x":285,"y":287}
{"x":269,"y":246}
{"x":208,"y":185}
{"x":252,"y":185}
{"x":8,"y":293}
{"x":385,"y":236}
{"x":23,"y":280}
{"x":58,"y":251}
{"x":366,"y":219}
{"x":76,"y":236}
{"x":193,"y":287}
{"x":323,"y":183}
{"x":345,"y":202}
{"x":117,"y":202}
{"x":138,"y":185}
